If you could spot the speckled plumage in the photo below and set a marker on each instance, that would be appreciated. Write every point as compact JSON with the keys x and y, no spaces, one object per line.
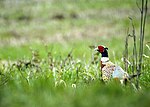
{"x":107,"y":71}
{"x":110,"y":70}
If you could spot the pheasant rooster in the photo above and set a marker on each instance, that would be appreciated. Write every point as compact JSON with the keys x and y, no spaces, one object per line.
{"x":110,"y":70}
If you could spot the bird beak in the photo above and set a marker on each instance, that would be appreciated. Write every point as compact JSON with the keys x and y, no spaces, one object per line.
{"x":96,"y":49}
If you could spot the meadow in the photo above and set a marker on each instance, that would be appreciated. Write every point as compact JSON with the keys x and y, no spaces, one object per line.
{"x":45,"y":59}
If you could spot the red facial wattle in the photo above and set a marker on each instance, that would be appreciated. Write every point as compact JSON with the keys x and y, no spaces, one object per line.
{"x":101,"y":49}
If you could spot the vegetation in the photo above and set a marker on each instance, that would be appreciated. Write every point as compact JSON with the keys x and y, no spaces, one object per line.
{"x":45,"y":59}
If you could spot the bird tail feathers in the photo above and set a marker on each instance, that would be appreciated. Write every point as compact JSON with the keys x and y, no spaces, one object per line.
{"x":134,"y":75}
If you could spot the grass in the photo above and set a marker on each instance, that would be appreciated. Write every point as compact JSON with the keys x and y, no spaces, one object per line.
{"x":46,"y":83}
{"x":36,"y":68}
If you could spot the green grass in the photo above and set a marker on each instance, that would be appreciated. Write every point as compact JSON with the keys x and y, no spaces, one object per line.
{"x":57,"y":81}
{"x":35,"y":69}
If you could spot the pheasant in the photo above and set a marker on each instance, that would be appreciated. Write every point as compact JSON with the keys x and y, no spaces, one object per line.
{"x":109,"y":69}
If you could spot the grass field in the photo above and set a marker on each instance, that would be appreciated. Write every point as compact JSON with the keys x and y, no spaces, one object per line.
{"x":45,"y":59}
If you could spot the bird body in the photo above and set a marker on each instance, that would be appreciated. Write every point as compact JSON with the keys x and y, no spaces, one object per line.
{"x":109,"y":69}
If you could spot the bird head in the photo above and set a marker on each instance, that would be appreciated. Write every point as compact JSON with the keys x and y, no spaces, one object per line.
{"x":103,"y":50}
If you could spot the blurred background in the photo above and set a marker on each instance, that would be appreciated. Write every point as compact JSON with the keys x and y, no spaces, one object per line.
{"x":66,"y":24}
{"x":37,"y":35}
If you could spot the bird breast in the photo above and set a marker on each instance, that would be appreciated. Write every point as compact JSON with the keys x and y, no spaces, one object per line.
{"x":107,"y":71}
{"x":111,"y":70}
